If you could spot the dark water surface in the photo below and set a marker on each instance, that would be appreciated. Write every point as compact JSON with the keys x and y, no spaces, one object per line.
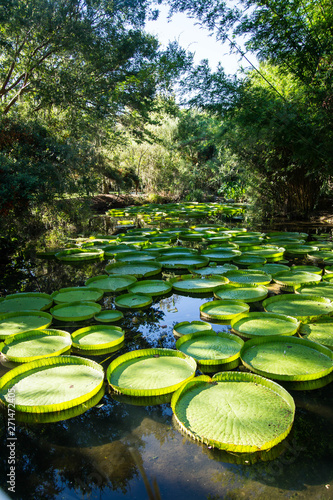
{"x":110,"y":450}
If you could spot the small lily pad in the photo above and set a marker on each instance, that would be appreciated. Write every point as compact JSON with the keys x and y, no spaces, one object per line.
{"x":257,"y":324}
{"x":133,"y":301}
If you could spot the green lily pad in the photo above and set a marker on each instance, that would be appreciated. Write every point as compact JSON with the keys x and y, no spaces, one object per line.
{"x":287,"y":358}
{"x":35,"y":344}
{"x":150,"y":372}
{"x":212,"y":351}
{"x":51,"y":384}
{"x":97,"y":339}
{"x":108,"y":316}
{"x":134,"y":257}
{"x":75,"y":311}
{"x":186,"y":327}
{"x":292,"y":280}
{"x":322,"y":289}
{"x":22,"y":321}
{"x":303,"y":307}
{"x":198,"y":285}
{"x":139,"y":270}
{"x":133,"y":301}
{"x":321,"y":332}
{"x":221,"y":254}
{"x":223,"y":309}
{"x":75,"y":294}
{"x":183,"y":262}
{"x":234,"y":411}
{"x":248,"y":260}
{"x":112,"y":283}
{"x":257,"y":324}
{"x":237,"y":291}
{"x":80,"y":254}
{"x":31,"y":301}
{"x":213,"y":270}
{"x":249,"y":276}
{"x":150,"y":287}
{"x":271,"y":268}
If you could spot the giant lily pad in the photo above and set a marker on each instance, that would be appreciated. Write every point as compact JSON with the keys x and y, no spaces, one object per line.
{"x":223,"y":309}
{"x":322,"y":289}
{"x":108,"y":316}
{"x":35,"y":344}
{"x":150,"y":287}
{"x":139,"y":270}
{"x":80,"y":254}
{"x":249,"y":276}
{"x":183,"y":262}
{"x":303,"y":307}
{"x":30,"y":301}
{"x":221,"y":254}
{"x":97,"y":339}
{"x":112,"y":283}
{"x":134,"y":257}
{"x":150,"y":372}
{"x":287,"y":358}
{"x":133,"y":301}
{"x":75,"y":311}
{"x":321,"y":332}
{"x":256,"y":324}
{"x":212,"y":351}
{"x":237,"y":291}
{"x":51,"y":384}
{"x":234,"y":411}
{"x":294,"y":279}
{"x":21,"y":321}
{"x":75,"y":294}
{"x":213,"y":270}
{"x":198,"y":285}
{"x":186,"y":327}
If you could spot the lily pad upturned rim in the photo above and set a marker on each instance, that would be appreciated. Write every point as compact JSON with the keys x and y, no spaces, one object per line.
{"x":142,"y":354}
{"x":40,"y":314}
{"x":279,"y":339}
{"x":254,"y":315}
{"x":110,"y":346}
{"x":93,"y":308}
{"x":211,"y":333}
{"x":84,"y":289}
{"x":29,"y":334}
{"x":243,"y":306}
{"x":205,"y":381}
{"x":43,"y":364}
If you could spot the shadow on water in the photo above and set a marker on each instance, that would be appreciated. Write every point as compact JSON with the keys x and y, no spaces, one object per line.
{"x":91,"y":455}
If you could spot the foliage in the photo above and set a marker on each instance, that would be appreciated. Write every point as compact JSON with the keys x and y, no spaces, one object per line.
{"x":277,"y":120}
{"x":92,"y":57}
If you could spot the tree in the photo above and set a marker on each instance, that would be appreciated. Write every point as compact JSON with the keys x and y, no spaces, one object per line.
{"x":278,"y":118}
{"x":92,"y":56}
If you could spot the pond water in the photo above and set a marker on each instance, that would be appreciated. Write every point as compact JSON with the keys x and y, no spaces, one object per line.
{"x":118,"y":450}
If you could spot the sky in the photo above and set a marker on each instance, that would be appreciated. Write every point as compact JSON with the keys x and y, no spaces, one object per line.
{"x":193,"y":38}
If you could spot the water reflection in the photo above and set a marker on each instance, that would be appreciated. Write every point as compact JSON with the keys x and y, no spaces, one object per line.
{"x":90,"y":455}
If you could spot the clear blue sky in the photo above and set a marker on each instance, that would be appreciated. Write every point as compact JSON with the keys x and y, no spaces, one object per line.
{"x":193,"y":38}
